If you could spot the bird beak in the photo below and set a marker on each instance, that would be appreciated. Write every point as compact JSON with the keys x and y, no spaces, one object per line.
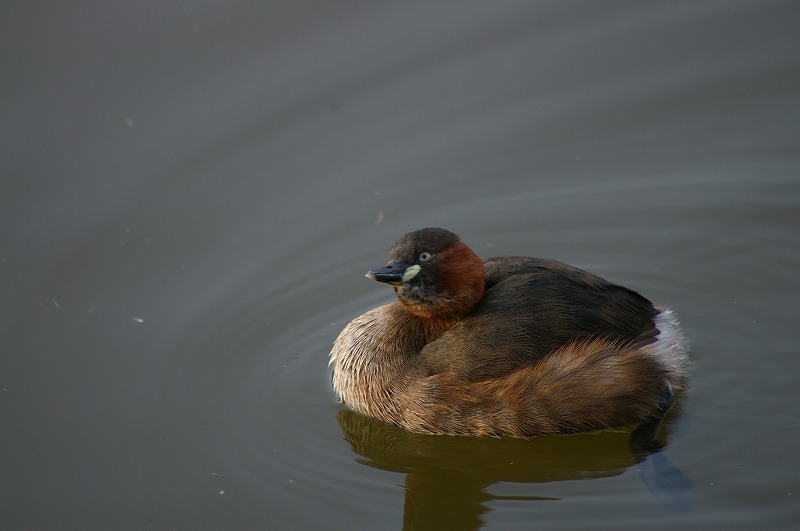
{"x":394,"y":273}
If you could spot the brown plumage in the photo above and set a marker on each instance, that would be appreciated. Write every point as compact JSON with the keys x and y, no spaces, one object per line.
{"x":508,"y":346}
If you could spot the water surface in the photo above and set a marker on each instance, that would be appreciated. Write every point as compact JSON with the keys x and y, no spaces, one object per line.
{"x":191,"y":194}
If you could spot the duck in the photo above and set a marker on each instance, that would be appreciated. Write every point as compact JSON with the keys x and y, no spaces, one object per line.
{"x":509,"y":346}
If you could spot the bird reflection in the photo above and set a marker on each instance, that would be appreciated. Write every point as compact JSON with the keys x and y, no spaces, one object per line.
{"x":447,"y":477}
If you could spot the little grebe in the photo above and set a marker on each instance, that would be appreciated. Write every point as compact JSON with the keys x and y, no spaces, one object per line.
{"x":507,"y":346}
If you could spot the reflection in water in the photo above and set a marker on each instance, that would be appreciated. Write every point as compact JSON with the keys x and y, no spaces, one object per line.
{"x":447,"y":477}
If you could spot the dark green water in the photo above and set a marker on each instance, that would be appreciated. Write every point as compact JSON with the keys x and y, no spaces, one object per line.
{"x":191,"y":193}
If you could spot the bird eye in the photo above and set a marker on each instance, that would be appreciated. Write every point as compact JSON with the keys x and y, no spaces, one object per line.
{"x":424,"y":257}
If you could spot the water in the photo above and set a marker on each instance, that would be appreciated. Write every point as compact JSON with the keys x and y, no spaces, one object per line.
{"x":191,"y":194}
